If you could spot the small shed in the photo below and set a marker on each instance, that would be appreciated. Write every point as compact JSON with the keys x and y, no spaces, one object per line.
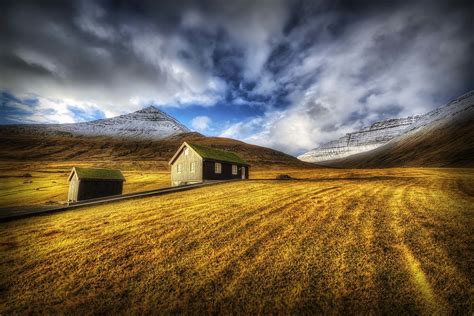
{"x":90,"y":183}
{"x":193,"y":163}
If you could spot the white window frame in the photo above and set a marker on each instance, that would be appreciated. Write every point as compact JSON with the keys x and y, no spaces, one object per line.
{"x":192,"y":167}
{"x":235,"y":170}
{"x":179,"y":168}
{"x":186,"y":151}
{"x":217,"y":167}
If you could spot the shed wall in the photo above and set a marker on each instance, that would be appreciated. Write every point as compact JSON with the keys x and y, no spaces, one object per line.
{"x":91,"y":189}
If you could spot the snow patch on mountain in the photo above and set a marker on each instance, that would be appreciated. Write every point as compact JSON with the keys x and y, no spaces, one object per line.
{"x":381,"y":132}
{"x":148,"y":123}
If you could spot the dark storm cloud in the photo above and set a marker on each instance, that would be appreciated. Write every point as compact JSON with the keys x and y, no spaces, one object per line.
{"x":326,"y":67}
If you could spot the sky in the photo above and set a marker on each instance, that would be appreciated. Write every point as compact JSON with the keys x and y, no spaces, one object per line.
{"x":283,"y":74}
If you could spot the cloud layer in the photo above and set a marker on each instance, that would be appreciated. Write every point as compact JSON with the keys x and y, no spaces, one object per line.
{"x":297,"y":73}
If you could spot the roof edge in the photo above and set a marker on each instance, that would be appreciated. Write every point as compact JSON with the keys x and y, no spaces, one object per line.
{"x":74,"y":171}
{"x":229,"y":162}
{"x":71,"y":174}
{"x":241,"y":161}
{"x":190,"y":145}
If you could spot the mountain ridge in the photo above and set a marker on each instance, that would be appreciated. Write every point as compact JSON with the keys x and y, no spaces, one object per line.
{"x":447,"y":142}
{"x":147,"y":123}
{"x":382,"y":132}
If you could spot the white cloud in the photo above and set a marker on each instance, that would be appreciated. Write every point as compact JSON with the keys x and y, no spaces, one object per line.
{"x":48,"y":110}
{"x":369,"y":74}
{"x":131,"y":64}
{"x":201,"y":123}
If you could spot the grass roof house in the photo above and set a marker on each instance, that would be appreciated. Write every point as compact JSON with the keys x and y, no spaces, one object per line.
{"x":90,"y":183}
{"x":194,"y":163}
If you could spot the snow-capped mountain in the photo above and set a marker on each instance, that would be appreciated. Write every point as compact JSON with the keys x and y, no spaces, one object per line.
{"x":380,"y":133}
{"x":148,"y":123}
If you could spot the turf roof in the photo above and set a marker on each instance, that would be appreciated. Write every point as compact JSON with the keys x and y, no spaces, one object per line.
{"x":216,"y":154}
{"x":98,"y":174}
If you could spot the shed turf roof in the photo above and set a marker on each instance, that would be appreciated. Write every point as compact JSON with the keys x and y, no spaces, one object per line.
{"x":216,"y":154}
{"x":98,"y":174}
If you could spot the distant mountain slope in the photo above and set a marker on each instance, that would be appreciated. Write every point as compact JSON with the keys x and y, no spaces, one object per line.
{"x":444,"y":142}
{"x":382,"y":132}
{"x":25,"y":147}
{"x":365,"y":139}
{"x":148,"y":123}
{"x":148,"y":134}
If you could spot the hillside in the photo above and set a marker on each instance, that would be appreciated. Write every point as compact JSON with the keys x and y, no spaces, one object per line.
{"x":447,"y":142}
{"x":380,"y":133}
{"x":52,"y":147}
{"x":147,"y":134}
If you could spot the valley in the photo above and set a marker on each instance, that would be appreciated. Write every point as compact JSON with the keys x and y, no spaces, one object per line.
{"x":342,"y":236}
{"x":207,"y":157}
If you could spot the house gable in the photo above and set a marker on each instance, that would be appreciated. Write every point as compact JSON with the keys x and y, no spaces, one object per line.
{"x":186,"y":168}
{"x":180,"y":151}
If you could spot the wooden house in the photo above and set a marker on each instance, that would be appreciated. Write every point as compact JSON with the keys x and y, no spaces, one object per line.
{"x":90,"y":183}
{"x":194,"y":163}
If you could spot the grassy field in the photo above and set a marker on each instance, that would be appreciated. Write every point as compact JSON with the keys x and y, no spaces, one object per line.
{"x":26,"y":184}
{"x":45,"y":183}
{"x":341,"y":241}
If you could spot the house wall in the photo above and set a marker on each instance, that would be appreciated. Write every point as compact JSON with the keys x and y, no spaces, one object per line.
{"x":90,"y":189}
{"x":226,"y":174}
{"x":186,"y":176}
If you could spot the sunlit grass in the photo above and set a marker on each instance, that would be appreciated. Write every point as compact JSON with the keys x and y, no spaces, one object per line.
{"x":48,"y":183}
{"x":369,"y":241}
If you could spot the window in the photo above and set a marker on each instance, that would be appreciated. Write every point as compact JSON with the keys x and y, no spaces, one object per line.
{"x":186,"y":151}
{"x":192,"y":167}
{"x":217,"y":167}
{"x":234,"y":169}
{"x":179,"y":168}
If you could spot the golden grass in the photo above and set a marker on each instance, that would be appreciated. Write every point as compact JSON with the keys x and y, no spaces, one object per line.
{"x":49,"y":186}
{"x":368,"y":241}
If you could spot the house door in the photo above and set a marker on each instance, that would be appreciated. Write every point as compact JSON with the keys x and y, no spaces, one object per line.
{"x":243,"y":172}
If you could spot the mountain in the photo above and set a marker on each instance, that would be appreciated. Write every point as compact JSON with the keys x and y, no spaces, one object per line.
{"x":448,"y":142}
{"x":148,"y":123}
{"x":145,"y":135}
{"x":366,"y":139}
{"x":384,"y":132}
